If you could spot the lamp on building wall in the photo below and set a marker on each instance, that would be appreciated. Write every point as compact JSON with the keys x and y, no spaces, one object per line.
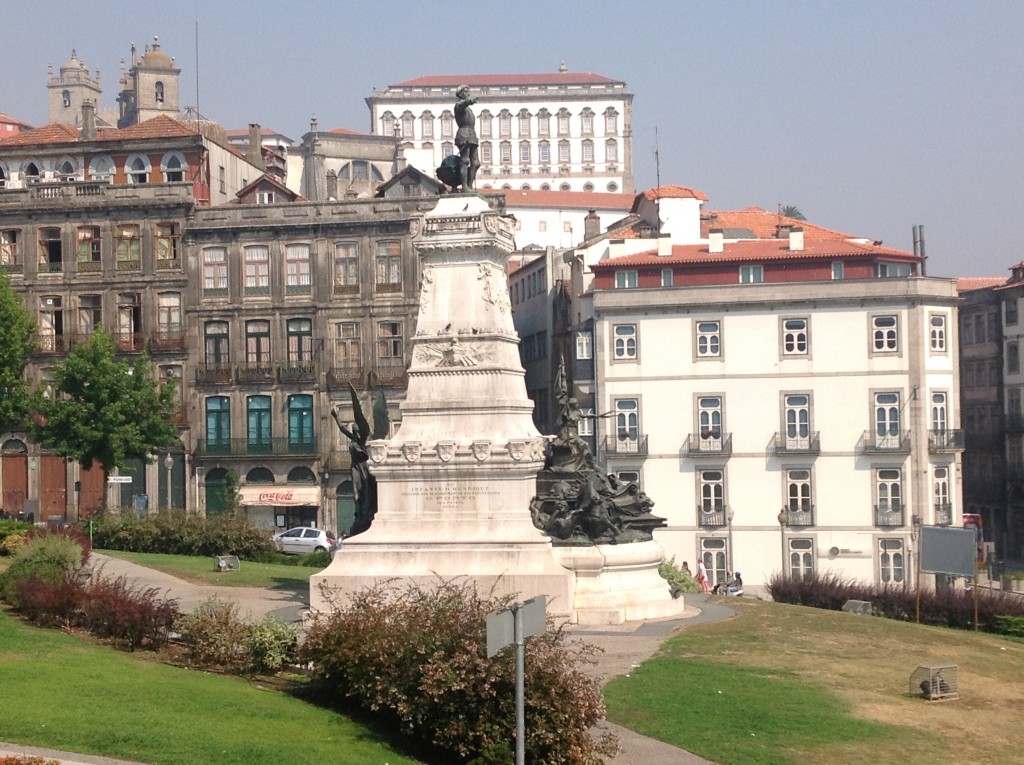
{"x":168,"y":466}
{"x":783,"y":518}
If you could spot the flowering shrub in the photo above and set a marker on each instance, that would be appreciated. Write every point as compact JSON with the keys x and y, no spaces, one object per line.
{"x":48,"y":557}
{"x":13,"y":542}
{"x":417,"y":657}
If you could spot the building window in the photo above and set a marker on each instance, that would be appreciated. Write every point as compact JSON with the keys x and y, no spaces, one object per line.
{"x":89,"y":250}
{"x":797,"y":415}
{"x":300,"y":339}
{"x":838,"y":269}
{"x":218,"y":422}
{"x":506,"y":152}
{"x":798,"y":497}
{"x":408,"y":123}
{"x":101,"y":168}
{"x":257,"y":342}
{"x":168,"y":315}
{"x":446,"y":125}
{"x":215,"y":271}
{"x":222,"y":180}
{"x":346,"y":267}
{"x":158,"y":92}
{"x":1013,"y":358}
{"x":751,"y":274}
{"x":66,"y":96}
{"x":128,"y":246}
{"x":10,"y":251}
{"x":167,"y":236}
{"x":588,"y":151}
{"x":625,"y":279}
{"x":173,"y":169}
{"x":297,"y":274}
{"x":892,"y":270}
{"x":709,"y":422}
{"x":524,"y":124}
{"x":129,"y":320}
{"x":524,"y":153}
{"x":611,"y":150}
{"x":257,"y":270}
{"x":712,"y":497}
{"x":347,"y":344}
{"x":563,"y":122}
{"x":666,"y":277}
{"x":543,"y":122}
{"x":801,"y":558}
{"x":138,"y":171}
{"x":51,"y":251}
{"x":709,"y":339}
{"x":90,"y":313}
{"x":258,"y":423}
{"x":586,"y":423}
{"x":884,"y":334}
{"x":937,"y":337}
{"x":563,"y":152}
{"x":389,"y":344}
{"x":300,"y":421}
{"x":360,"y":171}
{"x":504,"y":125}
{"x":1011,"y":311}
{"x":216,"y":342}
{"x":584,"y":346}
{"x":486,"y":156}
{"x":794,"y":337}
{"x":485,"y":124}
{"x":890,"y":491}
{"x":627,"y":425}
{"x":265,"y":197}
{"x":940,"y":496}
{"x":587,"y":122}
{"x":890,"y":560}
{"x":887,"y":420}
{"x":624,"y":341}
{"x":611,"y":122}
{"x":544,"y":152}
{"x":51,"y":323}
{"x":427,"y":126}
{"x":388,"y":267}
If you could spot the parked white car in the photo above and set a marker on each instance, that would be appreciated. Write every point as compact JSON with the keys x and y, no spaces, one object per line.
{"x":305,"y":539}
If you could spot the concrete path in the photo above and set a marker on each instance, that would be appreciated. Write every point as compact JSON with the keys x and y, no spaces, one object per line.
{"x":622,"y":648}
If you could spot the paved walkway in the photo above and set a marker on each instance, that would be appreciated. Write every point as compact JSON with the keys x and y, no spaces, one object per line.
{"x":622,"y":647}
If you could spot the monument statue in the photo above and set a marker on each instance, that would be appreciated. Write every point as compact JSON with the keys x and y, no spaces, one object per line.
{"x":364,"y":485}
{"x":579,"y":504}
{"x":461,"y":171}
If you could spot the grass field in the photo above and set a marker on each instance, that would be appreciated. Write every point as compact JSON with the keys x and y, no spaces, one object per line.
{"x":63,"y":693}
{"x":200,"y":571}
{"x":788,"y":685}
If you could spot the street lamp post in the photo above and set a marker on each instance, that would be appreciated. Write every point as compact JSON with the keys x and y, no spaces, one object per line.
{"x":783,"y":519}
{"x":168,"y":465}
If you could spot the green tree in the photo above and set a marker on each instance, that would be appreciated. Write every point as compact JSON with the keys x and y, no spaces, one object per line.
{"x":16,"y":343}
{"x":105,"y":409}
{"x":791,"y":211}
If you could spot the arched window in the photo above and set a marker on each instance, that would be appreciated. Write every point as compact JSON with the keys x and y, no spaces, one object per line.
{"x":3,"y":178}
{"x":159,"y":92}
{"x":301,"y":475}
{"x":67,"y":97}
{"x":138,"y":170}
{"x":173,"y":167}
{"x":66,"y":170}
{"x":259,"y":475}
{"x":31,"y":172}
{"x":101,"y":168}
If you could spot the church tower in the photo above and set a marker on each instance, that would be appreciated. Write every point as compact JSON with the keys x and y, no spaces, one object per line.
{"x":66,"y":93}
{"x":150,"y":87}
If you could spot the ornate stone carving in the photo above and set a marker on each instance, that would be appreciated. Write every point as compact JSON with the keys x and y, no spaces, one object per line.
{"x":411,"y":450}
{"x":378,"y":451}
{"x":446,"y":451}
{"x":495,"y":287}
{"x":447,"y":354}
{"x":517,"y":450}
{"x":481,"y":450}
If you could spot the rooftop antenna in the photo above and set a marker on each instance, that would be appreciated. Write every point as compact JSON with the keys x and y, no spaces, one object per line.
{"x":197,"y":75}
{"x":657,"y":177}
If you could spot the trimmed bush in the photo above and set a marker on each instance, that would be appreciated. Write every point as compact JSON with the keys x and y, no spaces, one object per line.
{"x":180,"y":533}
{"x":943,"y":608}
{"x":13,"y":542}
{"x":270,"y":644}
{"x":216,"y":636}
{"x":417,"y":658}
{"x":9,"y":527}
{"x":51,"y":604}
{"x":47,"y":556}
{"x":130,"y":615}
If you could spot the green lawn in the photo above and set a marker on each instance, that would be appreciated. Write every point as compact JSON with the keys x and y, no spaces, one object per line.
{"x":61,"y":692}
{"x":199,"y":569}
{"x":786,"y":685}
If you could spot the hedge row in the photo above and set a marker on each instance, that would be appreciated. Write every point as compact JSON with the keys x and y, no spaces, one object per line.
{"x":180,"y":533}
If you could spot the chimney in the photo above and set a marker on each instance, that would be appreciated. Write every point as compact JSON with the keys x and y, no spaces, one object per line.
{"x":616,"y":248}
{"x":796,"y":239}
{"x":716,"y":240}
{"x":591,"y":226}
{"x":664,"y":245}
{"x":254,"y":154}
{"x":332,"y":184}
{"x":88,"y":121}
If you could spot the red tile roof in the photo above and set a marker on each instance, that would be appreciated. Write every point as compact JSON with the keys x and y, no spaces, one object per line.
{"x":757,"y":250}
{"x":581,"y":200}
{"x":6,"y":119}
{"x":669,"y":192}
{"x":52,"y":133}
{"x":497,"y":80}
{"x":344,"y":131}
{"x":764,"y":224}
{"x":970,"y":283}
{"x":161,"y":126}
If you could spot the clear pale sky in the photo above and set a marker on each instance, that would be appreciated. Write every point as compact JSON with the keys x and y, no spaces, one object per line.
{"x":870,"y":116}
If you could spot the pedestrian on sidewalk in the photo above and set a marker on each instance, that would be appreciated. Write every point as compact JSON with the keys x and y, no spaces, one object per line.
{"x":702,"y":576}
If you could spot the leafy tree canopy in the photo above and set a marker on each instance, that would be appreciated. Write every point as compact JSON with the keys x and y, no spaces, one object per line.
{"x":106,"y":409}
{"x":16,"y":343}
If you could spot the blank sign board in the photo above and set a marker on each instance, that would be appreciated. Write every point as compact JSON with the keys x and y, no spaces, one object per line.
{"x":501,"y":624}
{"x":948,"y":551}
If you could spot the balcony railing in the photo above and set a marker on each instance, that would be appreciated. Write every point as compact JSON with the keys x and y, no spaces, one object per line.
{"x":129,"y":341}
{"x":13,"y":268}
{"x":168,"y":264}
{"x":800,"y":515}
{"x":889,"y":514}
{"x":943,"y":514}
{"x":786,"y":444}
{"x":256,"y":372}
{"x":712,"y":514}
{"x":245,"y":447}
{"x":391,"y":374}
{"x":89,"y":266}
{"x":896,"y":443}
{"x":52,"y":344}
{"x":618,"y":445}
{"x":297,"y":371}
{"x":214,"y":373}
{"x":167,"y":340}
{"x":51,"y":268}
{"x":945,"y":441}
{"x":703,"y":444}
{"x":129,"y":265}
{"x":338,"y":378}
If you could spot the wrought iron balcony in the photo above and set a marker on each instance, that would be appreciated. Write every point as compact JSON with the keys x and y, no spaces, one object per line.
{"x":219,"y":374}
{"x":786,"y":444}
{"x":255,"y":447}
{"x":52,"y":344}
{"x":619,"y":445}
{"x":889,"y":514}
{"x":799,"y":515}
{"x":167,"y":340}
{"x":943,"y":514}
{"x":256,"y":372}
{"x":129,"y":341}
{"x":297,"y":371}
{"x":712,"y":514}
{"x":710,"y":445}
{"x":898,"y":443}
{"x":946,"y":440}
{"x":338,"y":378}
{"x":391,"y":374}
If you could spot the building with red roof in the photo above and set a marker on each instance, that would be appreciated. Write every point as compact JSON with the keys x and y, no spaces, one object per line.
{"x":568,"y":131}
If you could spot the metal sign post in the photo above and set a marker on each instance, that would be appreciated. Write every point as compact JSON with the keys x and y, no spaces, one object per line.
{"x":512,"y":626}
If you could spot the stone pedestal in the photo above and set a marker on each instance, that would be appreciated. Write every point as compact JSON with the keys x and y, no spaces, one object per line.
{"x":454,"y":485}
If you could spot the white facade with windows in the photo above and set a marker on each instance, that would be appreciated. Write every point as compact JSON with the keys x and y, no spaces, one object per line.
{"x":804,"y":425}
{"x":568,"y":131}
